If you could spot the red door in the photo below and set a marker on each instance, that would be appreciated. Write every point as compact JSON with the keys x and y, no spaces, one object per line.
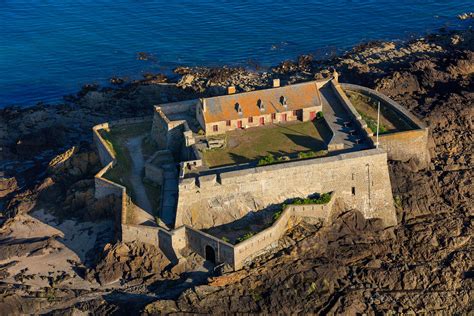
{"x":262,"y":121}
{"x":239,"y":124}
{"x":312,"y":115}
{"x":284,"y":117}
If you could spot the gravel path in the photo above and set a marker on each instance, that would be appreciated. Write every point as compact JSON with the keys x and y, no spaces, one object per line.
{"x":141,"y":199}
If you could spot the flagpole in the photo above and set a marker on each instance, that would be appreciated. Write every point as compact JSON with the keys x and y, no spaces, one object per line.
{"x":378,"y":122}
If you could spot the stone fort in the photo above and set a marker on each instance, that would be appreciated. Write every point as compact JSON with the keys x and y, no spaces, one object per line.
{"x":205,"y":184}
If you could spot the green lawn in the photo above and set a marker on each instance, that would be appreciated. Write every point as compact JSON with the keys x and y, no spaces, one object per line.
{"x":275,"y":139}
{"x":115,"y":138}
{"x":390,"y":121}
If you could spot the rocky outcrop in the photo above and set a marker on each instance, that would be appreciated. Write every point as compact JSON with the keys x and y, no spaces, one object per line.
{"x":124,"y":261}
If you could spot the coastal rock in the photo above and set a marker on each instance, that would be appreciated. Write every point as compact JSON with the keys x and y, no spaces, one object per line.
{"x":130,"y":261}
{"x":7,"y":186}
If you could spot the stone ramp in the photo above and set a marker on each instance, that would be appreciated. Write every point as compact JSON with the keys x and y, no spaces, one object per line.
{"x":337,"y":118}
{"x":170,"y":194}
{"x":143,"y":212}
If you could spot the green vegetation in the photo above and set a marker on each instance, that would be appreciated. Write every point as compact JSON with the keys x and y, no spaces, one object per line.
{"x":273,"y":139}
{"x":397,"y":201}
{"x":372,"y":123}
{"x":312,"y":154}
{"x":322,"y":199}
{"x":115,"y":139}
{"x":245,"y":237}
{"x":256,"y":297}
{"x":225,"y":239}
{"x":319,"y":115}
{"x":311,"y":288}
{"x":267,"y":160}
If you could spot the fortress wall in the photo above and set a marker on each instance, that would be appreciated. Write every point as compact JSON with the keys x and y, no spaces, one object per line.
{"x":153,"y":173}
{"x":198,"y":240}
{"x":142,"y":233}
{"x":268,"y":238}
{"x":159,"y":129}
{"x":179,"y":107}
{"x":105,"y":155}
{"x":222,"y":198}
{"x":361,"y":125}
{"x":403,"y":145}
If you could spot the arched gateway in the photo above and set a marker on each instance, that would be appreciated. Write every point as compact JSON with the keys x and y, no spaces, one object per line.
{"x":210,"y":254}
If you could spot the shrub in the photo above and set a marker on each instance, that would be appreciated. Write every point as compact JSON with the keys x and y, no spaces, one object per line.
{"x":322,"y":199}
{"x":319,"y":115}
{"x":267,"y":160}
{"x":245,"y":237}
{"x":311,"y":154}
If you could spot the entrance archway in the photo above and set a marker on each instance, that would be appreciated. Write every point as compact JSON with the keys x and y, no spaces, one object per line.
{"x":210,"y":254}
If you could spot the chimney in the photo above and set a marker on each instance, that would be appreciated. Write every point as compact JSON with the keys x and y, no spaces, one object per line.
{"x":231,"y":90}
{"x":276,"y":83}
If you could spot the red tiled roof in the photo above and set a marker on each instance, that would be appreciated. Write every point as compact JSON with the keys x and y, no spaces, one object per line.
{"x":298,"y":96}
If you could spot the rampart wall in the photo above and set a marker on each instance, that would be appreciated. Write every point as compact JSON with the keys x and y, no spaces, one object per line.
{"x":403,"y":145}
{"x":360,"y":178}
{"x":254,"y":246}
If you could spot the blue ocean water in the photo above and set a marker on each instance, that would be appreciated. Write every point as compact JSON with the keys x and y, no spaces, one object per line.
{"x":51,"y":48}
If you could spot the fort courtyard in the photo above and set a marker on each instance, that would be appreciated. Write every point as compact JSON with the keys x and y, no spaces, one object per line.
{"x":279,"y":140}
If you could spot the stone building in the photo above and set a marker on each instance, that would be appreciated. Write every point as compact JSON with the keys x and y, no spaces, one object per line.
{"x":220,"y":114}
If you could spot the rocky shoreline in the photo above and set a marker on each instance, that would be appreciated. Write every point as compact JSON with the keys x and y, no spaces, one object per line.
{"x":422,"y":265}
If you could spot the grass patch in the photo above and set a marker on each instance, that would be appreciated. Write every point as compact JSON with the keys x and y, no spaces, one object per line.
{"x":115,"y":138}
{"x":274,"y":139}
{"x":312,"y":154}
{"x":372,"y":123}
{"x":322,"y":199}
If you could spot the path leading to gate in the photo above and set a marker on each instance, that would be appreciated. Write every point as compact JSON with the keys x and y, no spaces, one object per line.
{"x":143,"y":214}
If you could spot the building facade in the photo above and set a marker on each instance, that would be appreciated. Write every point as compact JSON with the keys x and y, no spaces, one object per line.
{"x":220,"y":114}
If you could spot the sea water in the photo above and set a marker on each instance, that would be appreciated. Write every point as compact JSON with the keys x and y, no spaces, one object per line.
{"x":51,"y":48}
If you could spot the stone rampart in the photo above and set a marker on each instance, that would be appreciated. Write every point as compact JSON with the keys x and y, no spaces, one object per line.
{"x":198,"y":241}
{"x":105,"y":154}
{"x":361,"y":178}
{"x":361,"y":125}
{"x":255,"y":245}
{"x":188,"y":106}
{"x":404,"y":145}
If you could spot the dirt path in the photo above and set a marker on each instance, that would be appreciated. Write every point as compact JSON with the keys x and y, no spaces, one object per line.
{"x":140,"y":199}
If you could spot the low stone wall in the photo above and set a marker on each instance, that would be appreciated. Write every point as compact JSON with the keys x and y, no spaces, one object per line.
{"x":105,"y":154}
{"x":254,"y":246}
{"x":179,"y":107}
{"x":198,"y":241}
{"x":400,"y":146}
